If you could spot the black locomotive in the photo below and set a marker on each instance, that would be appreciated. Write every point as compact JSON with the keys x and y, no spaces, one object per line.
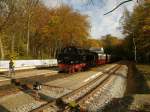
{"x":72,"y":59}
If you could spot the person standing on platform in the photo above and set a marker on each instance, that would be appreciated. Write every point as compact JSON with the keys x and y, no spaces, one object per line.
{"x":11,"y":68}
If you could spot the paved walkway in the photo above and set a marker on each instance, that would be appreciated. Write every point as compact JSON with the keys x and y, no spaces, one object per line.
{"x":80,"y":79}
{"x":5,"y":78}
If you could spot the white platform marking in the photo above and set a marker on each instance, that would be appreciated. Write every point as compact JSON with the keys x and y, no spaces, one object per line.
{"x":93,"y":76}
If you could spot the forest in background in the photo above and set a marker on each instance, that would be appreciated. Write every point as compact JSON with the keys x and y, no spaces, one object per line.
{"x":135,"y":46}
{"x":136,"y":28}
{"x":30,"y":30}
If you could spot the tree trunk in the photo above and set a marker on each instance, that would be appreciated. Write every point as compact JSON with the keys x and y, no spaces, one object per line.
{"x":134,"y":49}
{"x":55,"y":50}
{"x":12,"y":44}
{"x":28,"y":34}
{"x":31,"y":4}
{"x":1,"y":48}
{"x":50,"y":52}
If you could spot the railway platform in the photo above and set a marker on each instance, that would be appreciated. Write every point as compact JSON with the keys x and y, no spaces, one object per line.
{"x":104,"y":82}
{"x":5,"y":78}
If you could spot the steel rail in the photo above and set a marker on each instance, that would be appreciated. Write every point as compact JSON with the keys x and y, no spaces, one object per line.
{"x":80,"y":100}
{"x":76,"y":91}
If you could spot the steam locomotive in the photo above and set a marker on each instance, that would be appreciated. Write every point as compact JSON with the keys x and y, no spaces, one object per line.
{"x":72,"y":59}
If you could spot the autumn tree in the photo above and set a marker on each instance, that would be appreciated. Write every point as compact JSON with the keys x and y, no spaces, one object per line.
{"x":35,"y":31}
{"x":29,"y":5}
{"x":6,"y":12}
{"x":65,"y":27}
{"x":92,"y":43}
{"x":136,"y":27}
{"x":113,"y":45}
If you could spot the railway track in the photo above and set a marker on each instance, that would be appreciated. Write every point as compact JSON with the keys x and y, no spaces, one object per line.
{"x":82,"y":95}
{"x":89,"y":96}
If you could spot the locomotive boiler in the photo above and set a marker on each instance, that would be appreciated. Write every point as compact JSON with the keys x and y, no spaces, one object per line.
{"x":72,"y":59}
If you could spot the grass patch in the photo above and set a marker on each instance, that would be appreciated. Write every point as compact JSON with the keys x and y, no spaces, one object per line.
{"x":144,"y":68}
{"x":137,"y":97}
{"x":144,"y":71}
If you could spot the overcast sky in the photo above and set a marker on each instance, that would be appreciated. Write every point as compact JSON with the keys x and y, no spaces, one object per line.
{"x":100,"y":24}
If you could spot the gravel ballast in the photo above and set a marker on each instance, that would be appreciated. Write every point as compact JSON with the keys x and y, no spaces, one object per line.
{"x":114,"y":89}
{"x":20,"y":102}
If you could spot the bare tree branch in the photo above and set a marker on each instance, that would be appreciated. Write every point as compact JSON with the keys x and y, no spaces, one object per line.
{"x":91,"y":1}
{"x":8,"y":15}
{"x":119,"y":6}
